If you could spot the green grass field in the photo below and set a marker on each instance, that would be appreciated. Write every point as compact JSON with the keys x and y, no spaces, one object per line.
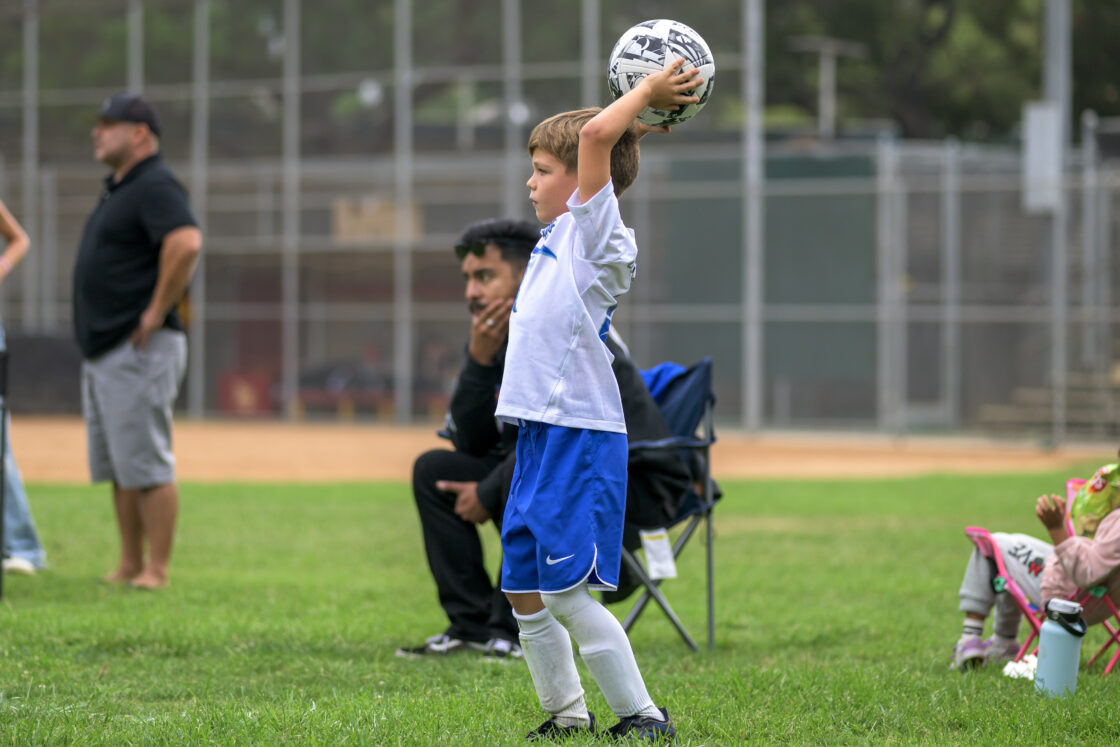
{"x":836,"y":612}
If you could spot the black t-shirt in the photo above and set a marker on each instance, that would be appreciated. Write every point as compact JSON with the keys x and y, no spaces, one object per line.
{"x":117,"y":266}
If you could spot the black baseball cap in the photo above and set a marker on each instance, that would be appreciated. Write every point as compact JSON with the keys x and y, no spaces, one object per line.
{"x":129,"y":107}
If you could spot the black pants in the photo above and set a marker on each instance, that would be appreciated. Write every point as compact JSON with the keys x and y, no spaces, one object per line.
{"x":475,"y":605}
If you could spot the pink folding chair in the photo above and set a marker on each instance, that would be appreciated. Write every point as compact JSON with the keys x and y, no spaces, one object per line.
{"x":1003,"y":582}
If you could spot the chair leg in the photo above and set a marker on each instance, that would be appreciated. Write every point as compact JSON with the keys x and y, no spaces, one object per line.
{"x":1113,"y":637}
{"x":1026,"y":646}
{"x":652,"y":591}
{"x":1112,"y":662}
{"x":1035,"y":626}
{"x":711,"y":584}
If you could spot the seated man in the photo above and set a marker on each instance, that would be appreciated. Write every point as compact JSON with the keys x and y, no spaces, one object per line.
{"x":1043,"y":571}
{"x":457,"y":490}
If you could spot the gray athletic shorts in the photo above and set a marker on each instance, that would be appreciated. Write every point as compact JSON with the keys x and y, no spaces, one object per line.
{"x":127,"y":396}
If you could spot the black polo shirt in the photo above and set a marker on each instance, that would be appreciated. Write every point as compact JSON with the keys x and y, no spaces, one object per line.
{"x":117,"y":265}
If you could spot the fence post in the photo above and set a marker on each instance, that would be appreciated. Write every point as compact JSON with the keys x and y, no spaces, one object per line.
{"x":1103,"y":314}
{"x":1056,"y":89}
{"x":200,"y":188}
{"x":290,"y":250}
{"x":402,"y":245}
{"x":888,"y":282}
{"x":48,"y":249}
{"x":752,"y":54}
{"x":951,"y":281}
{"x":30,"y":175}
{"x":1090,"y":346}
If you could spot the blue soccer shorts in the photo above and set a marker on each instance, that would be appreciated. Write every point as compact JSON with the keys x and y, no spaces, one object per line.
{"x":563,"y":519}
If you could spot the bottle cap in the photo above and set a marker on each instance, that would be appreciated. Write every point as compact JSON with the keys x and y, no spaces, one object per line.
{"x":1064,"y":606}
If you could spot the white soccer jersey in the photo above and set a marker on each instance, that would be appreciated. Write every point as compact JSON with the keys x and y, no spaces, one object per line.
{"x":558,"y":370}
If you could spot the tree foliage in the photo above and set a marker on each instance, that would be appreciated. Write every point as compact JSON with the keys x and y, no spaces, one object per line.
{"x":932,"y":67}
{"x":941,"y":67}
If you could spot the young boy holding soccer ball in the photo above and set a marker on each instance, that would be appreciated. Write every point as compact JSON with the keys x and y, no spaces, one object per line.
{"x":562,"y":528}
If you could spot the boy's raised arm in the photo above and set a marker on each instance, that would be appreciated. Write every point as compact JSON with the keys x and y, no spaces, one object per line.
{"x":666,"y":89}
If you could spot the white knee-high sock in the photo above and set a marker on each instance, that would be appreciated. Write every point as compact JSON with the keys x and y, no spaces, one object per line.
{"x":606,"y":650}
{"x":548,"y":652}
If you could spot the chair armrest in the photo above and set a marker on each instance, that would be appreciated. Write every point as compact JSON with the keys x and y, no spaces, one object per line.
{"x":674,"y":442}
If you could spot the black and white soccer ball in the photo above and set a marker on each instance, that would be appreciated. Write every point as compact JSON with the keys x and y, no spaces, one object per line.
{"x":651,"y":46}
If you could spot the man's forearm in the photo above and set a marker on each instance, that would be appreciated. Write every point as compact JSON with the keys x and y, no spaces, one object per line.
{"x":178,"y":258}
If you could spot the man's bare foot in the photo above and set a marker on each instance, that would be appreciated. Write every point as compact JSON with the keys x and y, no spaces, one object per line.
{"x":121,"y":576}
{"x":149,"y":580}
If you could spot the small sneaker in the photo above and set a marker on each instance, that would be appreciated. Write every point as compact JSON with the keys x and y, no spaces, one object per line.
{"x":971,"y":653}
{"x":554,"y":731}
{"x":1001,"y":652}
{"x":440,"y":645}
{"x":22,"y":566}
{"x":644,"y":728}
{"x":499,"y":649}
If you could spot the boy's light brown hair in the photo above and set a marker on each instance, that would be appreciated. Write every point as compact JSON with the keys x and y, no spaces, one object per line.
{"x":559,"y":135}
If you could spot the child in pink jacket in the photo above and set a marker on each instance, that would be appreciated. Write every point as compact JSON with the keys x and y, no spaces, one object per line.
{"x":1080,"y":562}
{"x":1089,"y":557}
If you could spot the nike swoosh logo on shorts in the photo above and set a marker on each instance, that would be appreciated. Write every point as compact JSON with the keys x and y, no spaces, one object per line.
{"x":550,"y":561}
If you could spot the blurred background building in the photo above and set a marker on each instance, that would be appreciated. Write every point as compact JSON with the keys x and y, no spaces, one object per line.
{"x":862,"y":245}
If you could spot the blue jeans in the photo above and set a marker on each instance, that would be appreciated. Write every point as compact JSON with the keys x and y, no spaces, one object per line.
{"x":20,"y":538}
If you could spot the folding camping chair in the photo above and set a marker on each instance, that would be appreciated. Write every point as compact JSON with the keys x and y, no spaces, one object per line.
{"x":988,"y":547}
{"x":684,"y":397}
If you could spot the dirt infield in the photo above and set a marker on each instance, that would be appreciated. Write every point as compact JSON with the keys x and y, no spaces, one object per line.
{"x":53,"y":450}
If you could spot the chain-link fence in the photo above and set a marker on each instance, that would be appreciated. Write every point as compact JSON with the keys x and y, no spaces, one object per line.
{"x":904,"y":287}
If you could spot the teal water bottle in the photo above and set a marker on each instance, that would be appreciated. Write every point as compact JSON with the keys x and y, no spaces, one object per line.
{"x":1059,"y":648}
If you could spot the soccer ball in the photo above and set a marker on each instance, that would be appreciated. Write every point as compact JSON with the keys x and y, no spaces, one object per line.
{"x":651,"y":46}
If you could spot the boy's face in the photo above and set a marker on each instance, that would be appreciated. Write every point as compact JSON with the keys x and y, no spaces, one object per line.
{"x":550,"y":186}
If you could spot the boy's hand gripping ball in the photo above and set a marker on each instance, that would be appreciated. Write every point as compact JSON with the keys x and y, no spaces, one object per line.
{"x":652,"y":46}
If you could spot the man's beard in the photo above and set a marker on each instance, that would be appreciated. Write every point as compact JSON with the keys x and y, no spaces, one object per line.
{"x":113,"y":158}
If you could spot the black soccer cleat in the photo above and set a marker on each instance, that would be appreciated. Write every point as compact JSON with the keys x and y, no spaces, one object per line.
{"x":554,"y":731}
{"x":440,"y":645}
{"x":644,"y":728}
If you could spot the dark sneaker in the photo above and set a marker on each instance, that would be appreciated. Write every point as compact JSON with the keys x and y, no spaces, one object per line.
{"x":440,"y":645}
{"x":644,"y":728}
{"x":552,"y":730}
{"x":499,"y":649}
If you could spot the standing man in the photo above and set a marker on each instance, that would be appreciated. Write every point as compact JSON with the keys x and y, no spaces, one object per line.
{"x":456,"y":491}
{"x":138,"y":250}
